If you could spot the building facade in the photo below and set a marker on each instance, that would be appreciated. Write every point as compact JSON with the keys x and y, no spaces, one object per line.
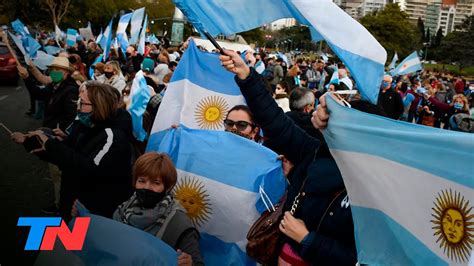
{"x":447,"y":14}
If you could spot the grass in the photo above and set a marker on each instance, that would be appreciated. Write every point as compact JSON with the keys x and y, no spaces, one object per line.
{"x":467,"y":71}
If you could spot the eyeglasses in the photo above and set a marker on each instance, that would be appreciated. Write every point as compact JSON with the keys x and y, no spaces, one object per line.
{"x":80,"y":103}
{"x":240,"y":125}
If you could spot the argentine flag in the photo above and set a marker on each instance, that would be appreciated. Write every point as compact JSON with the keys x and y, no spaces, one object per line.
{"x":350,"y":41}
{"x":220,"y":176}
{"x":411,"y":188}
{"x":200,"y":93}
{"x":139,"y":96}
{"x":136,"y":24}
{"x":394,"y":61}
{"x":411,"y":64}
{"x":123,"y":23}
{"x":71,"y":37}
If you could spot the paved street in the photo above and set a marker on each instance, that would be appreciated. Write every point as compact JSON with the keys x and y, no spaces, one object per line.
{"x":24,"y":185}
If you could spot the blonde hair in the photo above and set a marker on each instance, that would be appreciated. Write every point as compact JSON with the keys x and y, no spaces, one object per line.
{"x":116,"y":66}
{"x":293,"y":72}
{"x":464,"y":100}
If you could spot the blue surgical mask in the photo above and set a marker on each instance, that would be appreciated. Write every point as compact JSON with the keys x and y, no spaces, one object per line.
{"x":85,"y":118}
{"x":458,"y":106}
{"x":385,"y":84}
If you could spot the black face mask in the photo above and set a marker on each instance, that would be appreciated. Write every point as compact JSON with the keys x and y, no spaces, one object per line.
{"x":108,"y":75}
{"x":148,"y":198}
{"x":128,"y":54}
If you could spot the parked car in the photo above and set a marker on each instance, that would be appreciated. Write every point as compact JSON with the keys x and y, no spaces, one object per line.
{"x":8,"y":70}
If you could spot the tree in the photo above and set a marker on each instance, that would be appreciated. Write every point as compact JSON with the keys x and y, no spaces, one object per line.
{"x":428,"y":37}
{"x":457,"y":46}
{"x":254,"y":36}
{"x":56,"y":9}
{"x":438,"y":38}
{"x":393,"y":30}
{"x":421,"y":28}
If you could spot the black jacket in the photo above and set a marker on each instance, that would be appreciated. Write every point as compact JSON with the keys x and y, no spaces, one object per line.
{"x":95,"y":164}
{"x":61,"y":103}
{"x":391,"y":103}
{"x":333,"y":242}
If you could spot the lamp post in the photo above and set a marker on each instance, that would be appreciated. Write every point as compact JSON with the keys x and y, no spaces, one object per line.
{"x":177,"y":29}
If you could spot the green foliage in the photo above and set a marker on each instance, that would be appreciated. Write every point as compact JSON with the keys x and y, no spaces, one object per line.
{"x":98,"y":12}
{"x":458,"y":46}
{"x":291,"y":38}
{"x":393,"y":30}
{"x":466,"y":72}
{"x":254,"y":36}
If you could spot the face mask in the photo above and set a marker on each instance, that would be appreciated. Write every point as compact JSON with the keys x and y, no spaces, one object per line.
{"x":458,"y":106}
{"x":85,"y":118}
{"x":148,"y":198}
{"x":385,"y":84}
{"x":128,"y":54}
{"x":108,"y":75}
{"x":56,"y":76}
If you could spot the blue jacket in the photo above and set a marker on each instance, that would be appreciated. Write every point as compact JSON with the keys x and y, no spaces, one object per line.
{"x":322,"y":208}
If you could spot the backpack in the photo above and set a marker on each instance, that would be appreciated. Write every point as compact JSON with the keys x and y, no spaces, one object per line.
{"x":268,"y":73}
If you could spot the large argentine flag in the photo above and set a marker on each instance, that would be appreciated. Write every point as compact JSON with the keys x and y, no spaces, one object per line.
{"x":351,"y":42}
{"x":200,"y":93}
{"x":411,"y":188}
{"x":409,"y":65}
{"x":220,"y":176}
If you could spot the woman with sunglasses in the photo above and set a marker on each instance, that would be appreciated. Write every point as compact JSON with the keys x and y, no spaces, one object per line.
{"x":240,"y":121}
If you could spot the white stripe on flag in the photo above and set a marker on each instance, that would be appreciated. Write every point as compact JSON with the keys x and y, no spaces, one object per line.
{"x":181,"y":105}
{"x":225,"y":207}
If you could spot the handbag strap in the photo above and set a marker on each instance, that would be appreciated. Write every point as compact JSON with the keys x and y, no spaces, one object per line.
{"x":296,"y":201}
{"x":329,"y":206}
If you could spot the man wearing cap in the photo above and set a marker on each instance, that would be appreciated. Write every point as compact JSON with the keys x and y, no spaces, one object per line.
{"x":60,"y":96}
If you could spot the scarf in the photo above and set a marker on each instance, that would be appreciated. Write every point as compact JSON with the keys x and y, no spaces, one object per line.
{"x":148,"y":220}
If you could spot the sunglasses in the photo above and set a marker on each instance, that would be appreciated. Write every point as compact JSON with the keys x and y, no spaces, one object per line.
{"x":240,"y":125}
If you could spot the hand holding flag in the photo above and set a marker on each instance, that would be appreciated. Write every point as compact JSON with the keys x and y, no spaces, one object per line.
{"x":234,"y":63}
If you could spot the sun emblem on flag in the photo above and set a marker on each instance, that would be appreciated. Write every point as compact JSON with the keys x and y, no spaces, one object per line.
{"x":191,"y":193}
{"x":453,"y":225}
{"x":210,"y":112}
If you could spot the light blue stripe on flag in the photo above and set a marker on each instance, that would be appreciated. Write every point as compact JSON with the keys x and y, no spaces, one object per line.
{"x":106,"y":40}
{"x":20,"y":28}
{"x":71,"y":37}
{"x":141,"y":42}
{"x":52,"y":50}
{"x":209,"y":66}
{"x":31,"y":45}
{"x":139,"y":97}
{"x":136,"y":24}
{"x":211,"y":162}
{"x":19,"y":44}
{"x":123,"y":23}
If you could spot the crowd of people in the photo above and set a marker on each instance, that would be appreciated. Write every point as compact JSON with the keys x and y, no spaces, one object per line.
{"x":96,"y":162}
